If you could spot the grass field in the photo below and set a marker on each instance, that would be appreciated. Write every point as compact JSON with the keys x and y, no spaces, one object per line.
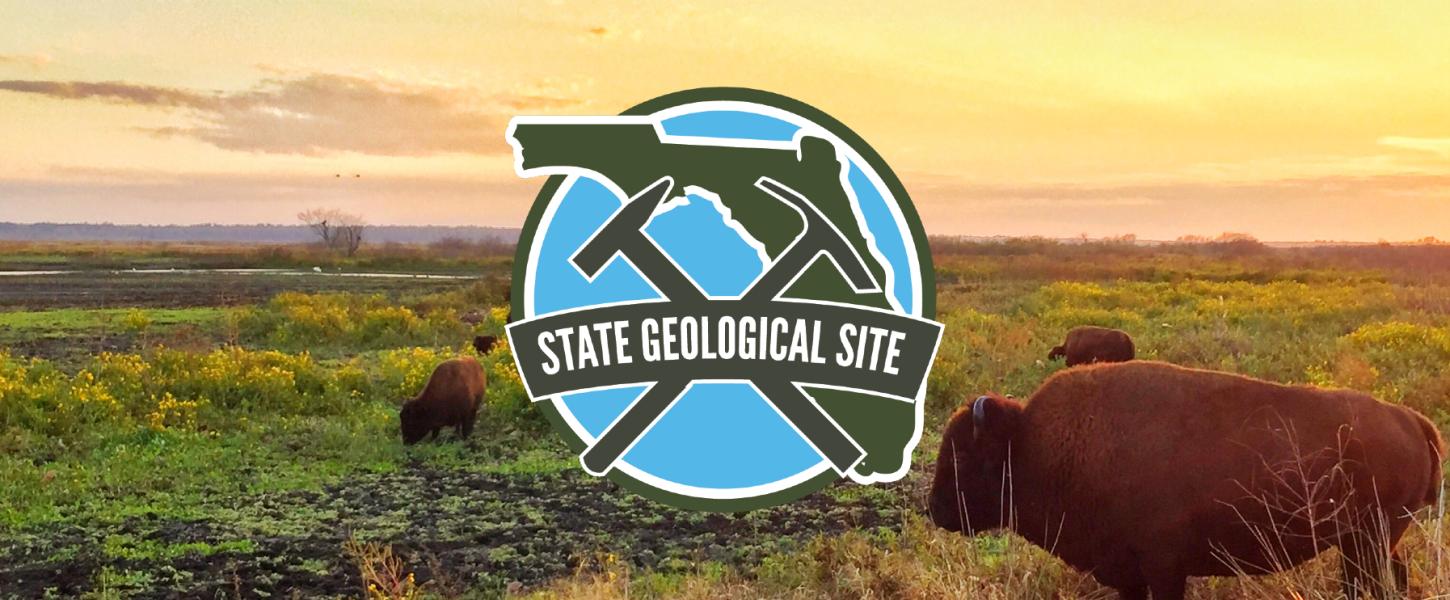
{"x":165,"y":442}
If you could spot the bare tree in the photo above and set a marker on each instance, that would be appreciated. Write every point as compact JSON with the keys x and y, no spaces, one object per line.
{"x":320,"y":220}
{"x":350,"y":235}
{"x":336,"y":229}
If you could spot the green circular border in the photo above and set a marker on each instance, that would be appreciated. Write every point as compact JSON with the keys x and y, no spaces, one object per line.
{"x":821,"y":119}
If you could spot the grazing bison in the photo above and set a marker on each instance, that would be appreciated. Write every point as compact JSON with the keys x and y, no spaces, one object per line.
{"x":1088,"y":344}
{"x":1144,"y":474}
{"x":451,"y":399}
{"x":484,"y":344}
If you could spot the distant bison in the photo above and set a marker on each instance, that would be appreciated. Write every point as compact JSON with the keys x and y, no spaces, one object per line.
{"x":1087,"y":344}
{"x":484,"y":344}
{"x":451,"y":399}
{"x":1144,"y":474}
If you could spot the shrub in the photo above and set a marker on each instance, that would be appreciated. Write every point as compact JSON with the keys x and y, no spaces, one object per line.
{"x":1397,"y":362}
{"x":221,"y":389}
{"x":296,"y":321}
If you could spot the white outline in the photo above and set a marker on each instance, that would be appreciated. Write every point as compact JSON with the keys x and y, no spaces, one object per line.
{"x":729,"y":217}
{"x":807,"y":127}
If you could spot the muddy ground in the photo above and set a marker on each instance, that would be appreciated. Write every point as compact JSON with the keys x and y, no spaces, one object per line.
{"x":455,"y":528}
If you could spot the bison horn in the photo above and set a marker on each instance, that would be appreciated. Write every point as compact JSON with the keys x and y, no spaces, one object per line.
{"x":979,"y":412}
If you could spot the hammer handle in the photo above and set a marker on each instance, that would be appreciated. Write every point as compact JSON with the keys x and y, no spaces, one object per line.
{"x":628,"y":428}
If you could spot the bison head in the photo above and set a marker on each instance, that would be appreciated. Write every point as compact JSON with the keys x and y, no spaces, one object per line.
{"x":412,"y":421}
{"x":972,"y":489}
{"x":484,"y":343}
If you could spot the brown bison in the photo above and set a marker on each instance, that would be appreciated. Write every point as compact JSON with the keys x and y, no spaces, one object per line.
{"x":1088,"y":344}
{"x":484,"y":343}
{"x":451,"y":399}
{"x":1144,"y":474}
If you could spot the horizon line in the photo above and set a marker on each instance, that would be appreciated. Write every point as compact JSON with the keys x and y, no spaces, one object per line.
{"x":1123,"y":238}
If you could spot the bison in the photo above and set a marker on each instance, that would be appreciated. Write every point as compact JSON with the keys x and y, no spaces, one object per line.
{"x":484,"y":343}
{"x":1088,"y":344}
{"x":1144,"y":474}
{"x":450,"y":399}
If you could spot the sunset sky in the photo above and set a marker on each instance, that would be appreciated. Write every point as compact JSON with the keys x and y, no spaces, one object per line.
{"x":1286,"y":120}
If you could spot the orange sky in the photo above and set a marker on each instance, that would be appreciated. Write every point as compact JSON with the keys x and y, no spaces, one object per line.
{"x":1287,"y":120}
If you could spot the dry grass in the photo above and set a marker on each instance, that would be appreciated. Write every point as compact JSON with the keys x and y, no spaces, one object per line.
{"x":384,"y":575}
{"x":928,"y":563}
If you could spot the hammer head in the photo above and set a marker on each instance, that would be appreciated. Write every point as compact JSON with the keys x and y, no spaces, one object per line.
{"x":626,"y":224}
{"x":819,"y":234}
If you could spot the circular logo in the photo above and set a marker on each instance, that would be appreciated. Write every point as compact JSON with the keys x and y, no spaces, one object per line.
{"x":724,"y":298}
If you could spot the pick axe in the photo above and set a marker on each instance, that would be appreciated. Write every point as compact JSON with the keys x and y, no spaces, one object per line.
{"x":818,"y":236}
{"x":624,"y":235}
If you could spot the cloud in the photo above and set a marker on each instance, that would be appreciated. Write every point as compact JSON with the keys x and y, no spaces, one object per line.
{"x":1437,"y":146}
{"x":534,"y":102}
{"x":1142,"y":194}
{"x":321,"y":113}
{"x":85,"y":194}
{"x":35,"y":60}
{"x":1062,"y":201}
{"x":113,"y":91}
{"x":1398,"y":206}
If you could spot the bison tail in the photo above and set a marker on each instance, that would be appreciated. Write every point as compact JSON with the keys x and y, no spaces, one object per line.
{"x":1437,"y":456}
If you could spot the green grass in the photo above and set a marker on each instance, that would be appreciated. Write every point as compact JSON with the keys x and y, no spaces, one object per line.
{"x":25,"y":324}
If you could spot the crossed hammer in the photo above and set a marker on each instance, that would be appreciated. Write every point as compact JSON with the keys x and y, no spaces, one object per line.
{"x":624,"y":235}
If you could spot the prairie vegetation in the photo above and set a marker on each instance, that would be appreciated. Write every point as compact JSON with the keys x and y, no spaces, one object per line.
{"x":245,"y":447}
{"x":447,"y":255}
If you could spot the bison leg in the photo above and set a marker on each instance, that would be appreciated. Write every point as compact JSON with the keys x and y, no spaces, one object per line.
{"x":1137,"y":592}
{"x":435,"y":433}
{"x":1168,"y":587}
{"x":1369,"y":561}
{"x":468,"y":422}
{"x":1363,"y":562}
{"x":1165,"y":579}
